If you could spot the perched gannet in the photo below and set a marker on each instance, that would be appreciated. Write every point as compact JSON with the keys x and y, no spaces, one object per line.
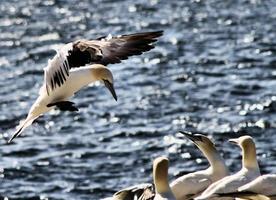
{"x":192,"y":184}
{"x":68,"y":72}
{"x":250,"y":170}
{"x":265,"y":185}
{"x":160,"y":179}
{"x":160,"y":191}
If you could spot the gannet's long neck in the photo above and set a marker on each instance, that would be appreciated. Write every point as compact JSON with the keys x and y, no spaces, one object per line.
{"x":160,"y":178}
{"x":78,"y":78}
{"x":84,"y":75}
{"x":249,"y":157}
{"x":214,"y":158}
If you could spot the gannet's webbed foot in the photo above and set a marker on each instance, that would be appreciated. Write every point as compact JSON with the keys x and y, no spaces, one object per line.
{"x":64,"y":105}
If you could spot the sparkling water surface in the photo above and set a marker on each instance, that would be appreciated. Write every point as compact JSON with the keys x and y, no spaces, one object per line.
{"x":213,"y":71}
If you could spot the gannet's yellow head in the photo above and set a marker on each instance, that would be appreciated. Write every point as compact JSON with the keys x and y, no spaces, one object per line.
{"x":199,"y":140}
{"x":160,"y":174}
{"x":104,"y":75}
{"x":161,"y":163}
{"x":243,"y":141}
{"x":248,"y":147}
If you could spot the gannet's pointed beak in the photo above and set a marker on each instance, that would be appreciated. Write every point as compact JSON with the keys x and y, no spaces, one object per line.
{"x":110,"y":87}
{"x":190,"y":136}
{"x":15,"y":134}
{"x":234,"y":141}
{"x":28,"y":121}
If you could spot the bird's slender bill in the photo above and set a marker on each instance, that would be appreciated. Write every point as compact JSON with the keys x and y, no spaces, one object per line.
{"x":234,"y":141}
{"x":110,"y":87}
{"x":15,"y":135}
{"x":190,"y":136}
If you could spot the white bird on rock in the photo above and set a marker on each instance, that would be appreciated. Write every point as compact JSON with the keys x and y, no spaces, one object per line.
{"x":250,"y":170}
{"x":264,"y":185}
{"x":191,"y":185}
{"x":68,"y":72}
{"x":160,"y":191}
{"x":261,"y":188}
{"x":160,"y":179}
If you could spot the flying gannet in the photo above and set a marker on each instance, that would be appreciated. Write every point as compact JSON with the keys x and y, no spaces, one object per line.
{"x":80,"y":63}
{"x":250,"y":170}
{"x":192,"y":184}
{"x":160,"y":191}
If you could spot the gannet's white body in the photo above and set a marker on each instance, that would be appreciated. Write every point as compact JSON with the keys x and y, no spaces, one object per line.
{"x":265,"y":184}
{"x":77,"y":79}
{"x":250,"y":170}
{"x":261,"y":188}
{"x":68,"y":72}
{"x":192,"y":184}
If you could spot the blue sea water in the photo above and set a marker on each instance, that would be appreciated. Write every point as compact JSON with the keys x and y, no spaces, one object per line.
{"x":213,"y":71}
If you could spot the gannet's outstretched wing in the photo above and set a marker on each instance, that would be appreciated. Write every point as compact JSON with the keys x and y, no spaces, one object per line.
{"x":104,"y":50}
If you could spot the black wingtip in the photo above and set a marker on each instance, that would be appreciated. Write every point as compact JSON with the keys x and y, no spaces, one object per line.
{"x":159,"y":33}
{"x":152,"y":34}
{"x":155,"y":33}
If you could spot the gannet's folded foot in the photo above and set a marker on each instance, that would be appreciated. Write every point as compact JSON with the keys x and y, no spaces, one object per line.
{"x":64,"y":105}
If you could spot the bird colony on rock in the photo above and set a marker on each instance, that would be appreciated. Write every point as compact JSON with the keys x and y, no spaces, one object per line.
{"x":82,"y":62}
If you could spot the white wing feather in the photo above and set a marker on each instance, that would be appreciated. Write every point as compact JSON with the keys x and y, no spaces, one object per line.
{"x":58,"y":63}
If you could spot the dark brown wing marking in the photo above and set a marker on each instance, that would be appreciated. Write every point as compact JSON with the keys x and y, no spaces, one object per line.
{"x":104,"y":50}
{"x":109,"y":50}
{"x":120,"y":48}
{"x":83,"y":53}
{"x":139,"y":192}
{"x":148,"y":193}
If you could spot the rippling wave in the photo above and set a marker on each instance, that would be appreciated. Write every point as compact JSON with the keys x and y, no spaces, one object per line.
{"x":213,"y":71}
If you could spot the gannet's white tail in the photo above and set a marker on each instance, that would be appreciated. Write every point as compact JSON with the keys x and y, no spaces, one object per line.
{"x":37,"y":109}
{"x":24,"y":124}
